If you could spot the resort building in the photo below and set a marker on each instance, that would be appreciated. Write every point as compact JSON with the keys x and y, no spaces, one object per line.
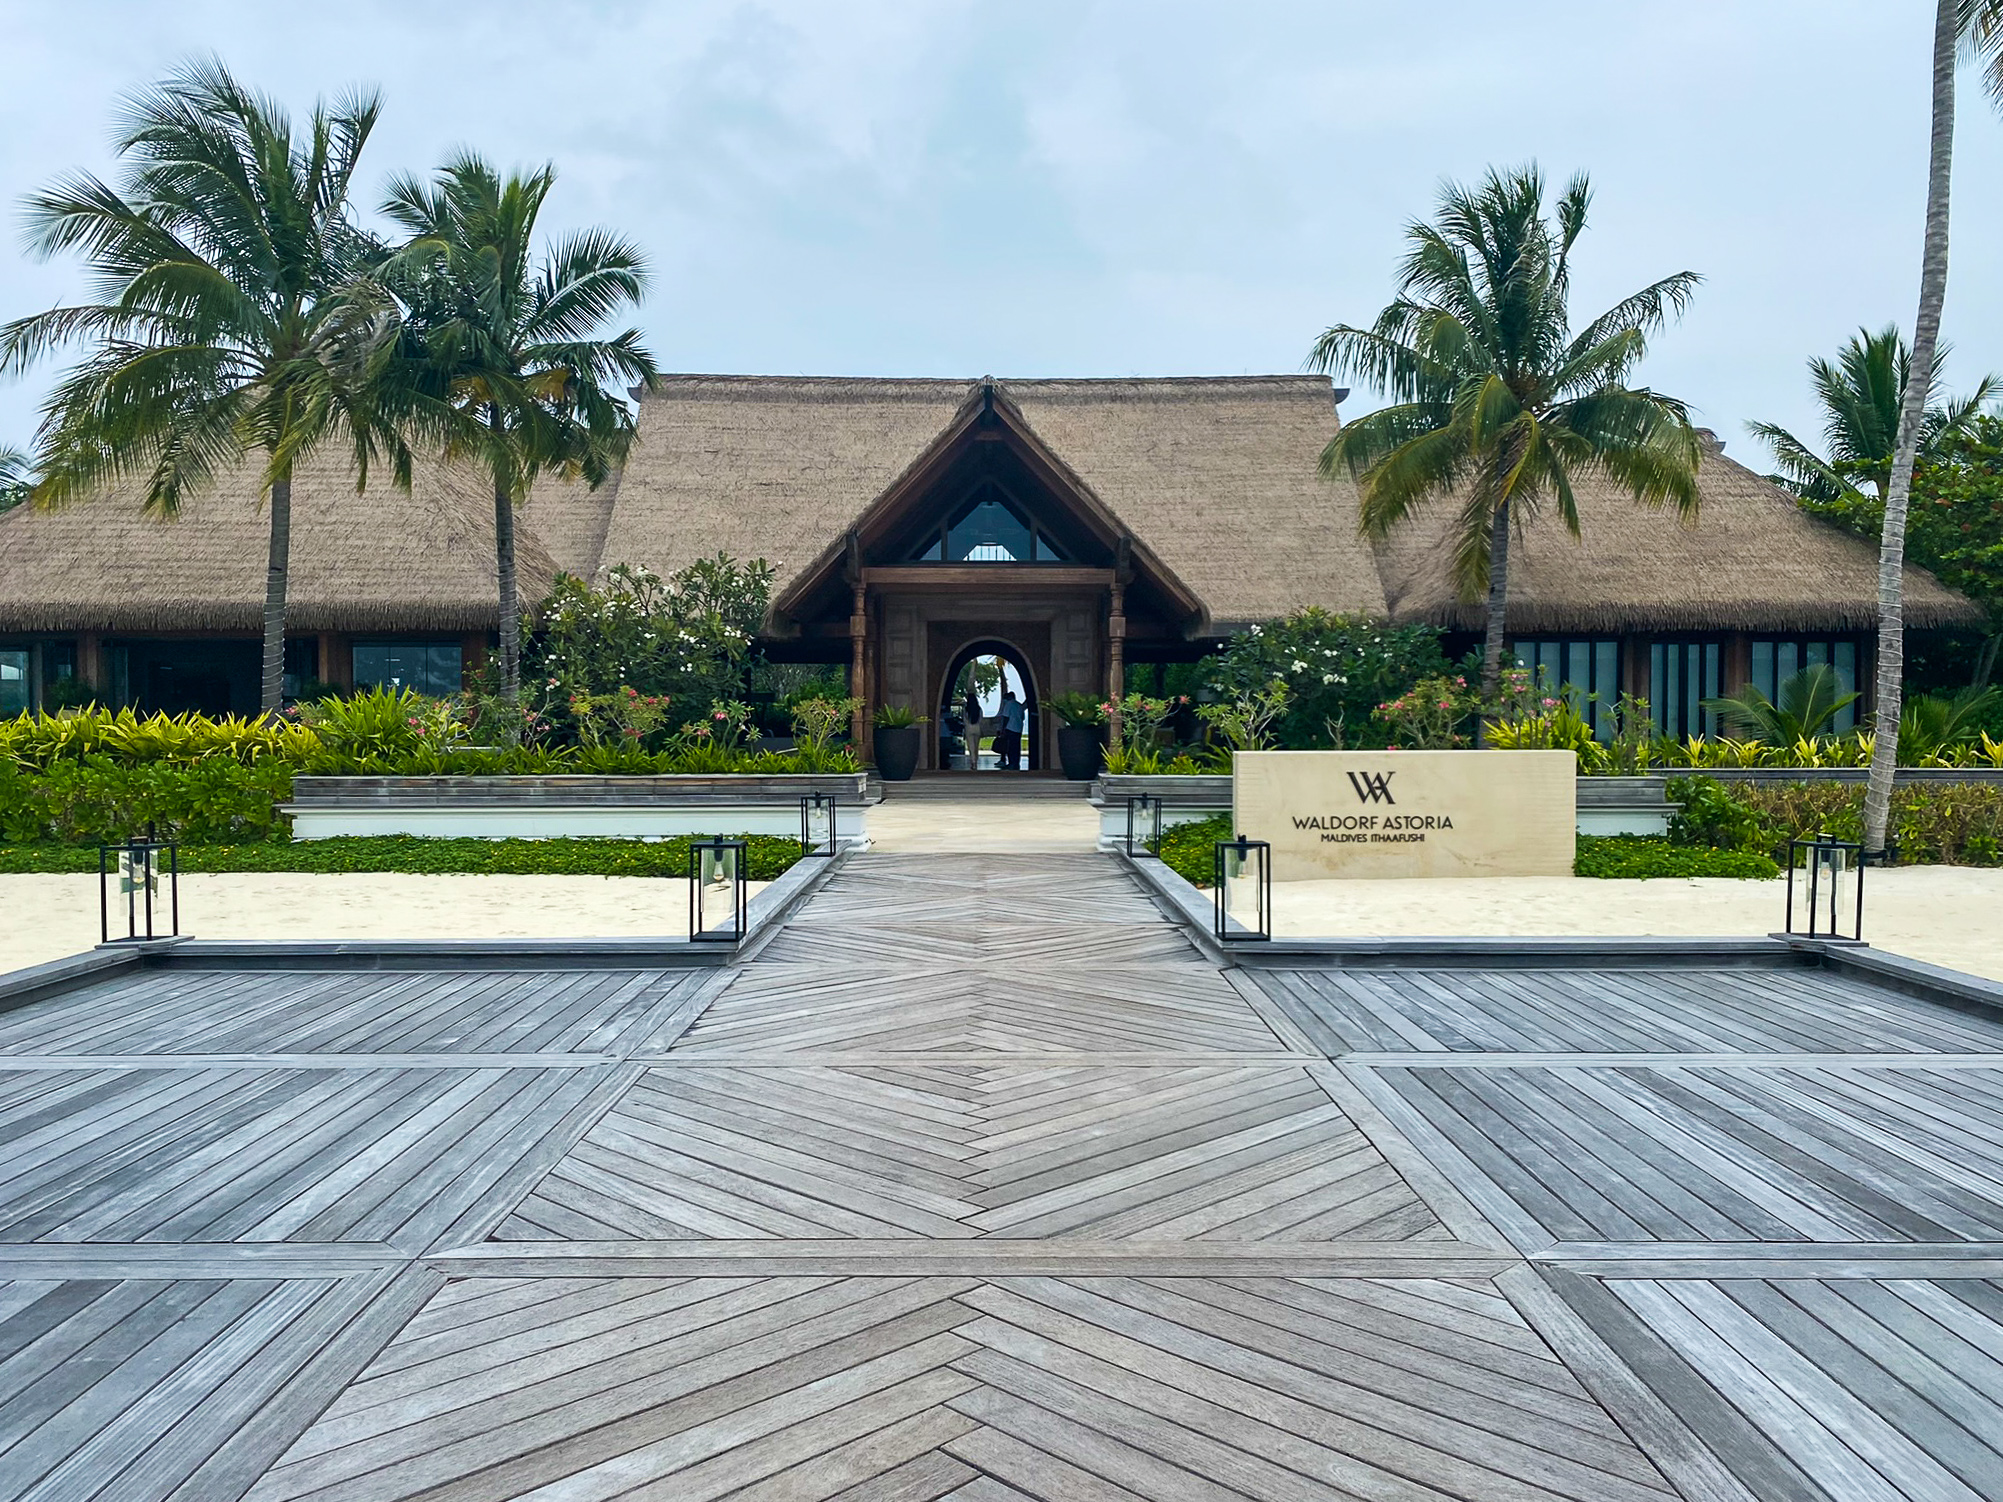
{"x":1074,"y":527}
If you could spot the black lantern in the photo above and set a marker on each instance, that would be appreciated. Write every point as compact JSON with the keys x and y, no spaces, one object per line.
{"x":718,"y":892}
{"x":137,"y":867}
{"x":1242,"y":884}
{"x":818,"y":826}
{"x":1830,"y":888}
{"x":1144,"y":820}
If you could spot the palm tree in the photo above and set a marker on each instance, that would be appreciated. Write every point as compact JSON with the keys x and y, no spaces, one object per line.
{"x":506,"y":339}
{"x":1981,"y":22}
{"x":17,"y":476}
{"x":237,"y":317}
{"x":1861,"y":393}
{"x":1496,"y":401}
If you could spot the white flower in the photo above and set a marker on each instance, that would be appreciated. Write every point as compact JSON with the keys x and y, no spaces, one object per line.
{"x":1330,"y":678}
{"x":1299,"y":666}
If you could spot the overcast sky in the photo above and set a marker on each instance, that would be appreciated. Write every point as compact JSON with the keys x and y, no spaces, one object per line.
{"x":931,"y":187}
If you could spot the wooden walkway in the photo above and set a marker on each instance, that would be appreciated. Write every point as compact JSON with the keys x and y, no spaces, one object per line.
{"x":979,"y":1183}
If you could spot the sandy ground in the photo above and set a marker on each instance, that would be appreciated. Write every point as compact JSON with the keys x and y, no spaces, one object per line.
{"x":46,"y":917}
{"x":1949,"y":915}
{"x":985,"y":826}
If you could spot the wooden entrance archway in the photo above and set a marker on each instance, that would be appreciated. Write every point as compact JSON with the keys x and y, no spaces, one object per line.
{"x":1027,"y":669}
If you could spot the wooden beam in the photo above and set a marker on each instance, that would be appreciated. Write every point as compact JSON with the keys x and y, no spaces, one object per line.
{"x":1014,"y":577}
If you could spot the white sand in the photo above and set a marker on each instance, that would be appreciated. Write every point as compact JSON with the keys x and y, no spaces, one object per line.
{"x":1948,"y":915}
{"x":46,"y":917}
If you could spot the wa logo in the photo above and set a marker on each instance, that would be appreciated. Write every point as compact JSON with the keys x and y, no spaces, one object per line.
{"x":1373,"y":787}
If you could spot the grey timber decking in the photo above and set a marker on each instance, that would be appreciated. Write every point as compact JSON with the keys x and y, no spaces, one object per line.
{"x":977,"y":1181}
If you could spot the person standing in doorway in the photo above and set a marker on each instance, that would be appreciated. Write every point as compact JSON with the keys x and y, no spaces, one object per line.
{"x":970,"y":712}
{"x":1009,"y":742}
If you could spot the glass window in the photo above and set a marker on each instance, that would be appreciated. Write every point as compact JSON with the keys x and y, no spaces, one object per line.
{"x":1774,"y":662}
{"x":988,"y":529}
{"x":1586,"y":672}
{"x":14,"y":695}
{"x":425,"y":667}
{"x":1681,"y":676}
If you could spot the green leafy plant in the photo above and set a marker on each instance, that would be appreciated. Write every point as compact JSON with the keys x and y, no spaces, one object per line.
{"x":625,"y":717}
{"x":897,"y":717}
{"x":1190,"y":850}
{"x":1803,"y":710}
{"x":1245,"y":721}
{"x":1931,"y":724}
{"x":1078,"y":709}
{"x":1336,"y":668}
{"x":1430,"y":715}
{"x":817,"y":723}
{"x":1638,"y":857}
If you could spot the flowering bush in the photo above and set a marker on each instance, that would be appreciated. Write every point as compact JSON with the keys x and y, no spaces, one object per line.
{"x":1432,"y":715}
{"x":625,"y":718}
{"x":1139,"y":752}
{"x":1336,"y":670}
{"x":1246,"y":721}
{"x":685,"y":640}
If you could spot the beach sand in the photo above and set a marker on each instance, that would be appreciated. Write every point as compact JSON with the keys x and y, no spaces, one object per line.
{"x":1947,"y":915}
{"x":46,"y":917}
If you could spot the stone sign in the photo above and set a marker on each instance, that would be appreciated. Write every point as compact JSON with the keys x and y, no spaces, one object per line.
{"x":1409,"y":813}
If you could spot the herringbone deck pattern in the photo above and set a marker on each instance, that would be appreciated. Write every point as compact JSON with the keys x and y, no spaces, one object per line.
{"x":929,"y":1388}
{"x":1165,"y":1154}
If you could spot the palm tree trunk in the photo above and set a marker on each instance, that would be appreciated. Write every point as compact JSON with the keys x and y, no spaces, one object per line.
{"x":511,"y":610}
{"x":1926,"y":336}
{"x":1498,"y":604}
{"x":271,"y":694}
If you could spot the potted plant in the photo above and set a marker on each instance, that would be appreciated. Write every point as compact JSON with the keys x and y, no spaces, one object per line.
{"x":1080,"y":736}
{"x":897,"y":741}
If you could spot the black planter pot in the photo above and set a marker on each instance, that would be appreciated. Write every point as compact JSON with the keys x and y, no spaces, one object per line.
{"x":1078,"y":751}
{"x":897,"y":749}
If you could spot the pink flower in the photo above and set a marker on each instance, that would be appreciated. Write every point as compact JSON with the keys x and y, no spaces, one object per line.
{"x":719,"y":715}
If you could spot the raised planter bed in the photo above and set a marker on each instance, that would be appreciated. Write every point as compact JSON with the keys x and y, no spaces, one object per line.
{"x":547,"y":807}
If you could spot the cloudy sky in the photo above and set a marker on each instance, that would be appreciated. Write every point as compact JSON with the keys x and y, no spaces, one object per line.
{"x":1108,"y":187}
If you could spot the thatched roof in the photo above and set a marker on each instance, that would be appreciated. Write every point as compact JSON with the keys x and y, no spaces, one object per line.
{"x":1752,"y":561}
{"x":1213,"y":478}
{"x":381,"y":560}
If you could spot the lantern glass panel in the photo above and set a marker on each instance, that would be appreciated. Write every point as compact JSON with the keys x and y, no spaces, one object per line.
{"x":1243,"y":873}
{"x":818,"y":824}
{"x":1825,"y":889}
{"x":717,"y":891}
{"x":1143,"y":824}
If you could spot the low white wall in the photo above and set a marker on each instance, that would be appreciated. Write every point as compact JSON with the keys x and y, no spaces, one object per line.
{"x":540,"y":823}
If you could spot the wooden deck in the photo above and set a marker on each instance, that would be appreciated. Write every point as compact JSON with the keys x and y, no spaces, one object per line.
{"x":979,"y":1183}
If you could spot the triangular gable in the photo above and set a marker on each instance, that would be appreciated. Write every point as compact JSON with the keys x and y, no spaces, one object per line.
{"x":987,"y":414}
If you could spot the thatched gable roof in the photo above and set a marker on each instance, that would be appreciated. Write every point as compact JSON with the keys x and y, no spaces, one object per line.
{"x":1213,"y":478}
{"x":380,"y":560}
{"x":1752,"y":561}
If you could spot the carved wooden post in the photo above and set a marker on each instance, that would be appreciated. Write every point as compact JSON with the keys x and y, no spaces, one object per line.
{"x":858,"y":633}
{"x":1116,"y":638}
{"x":858,"y":630}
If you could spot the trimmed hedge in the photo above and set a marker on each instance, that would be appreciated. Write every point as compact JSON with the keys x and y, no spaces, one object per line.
{"x":767,"y":857}
{"x":1627,"y":857}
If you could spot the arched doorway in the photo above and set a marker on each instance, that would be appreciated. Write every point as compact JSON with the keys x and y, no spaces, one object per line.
{"x":1011,"y":669}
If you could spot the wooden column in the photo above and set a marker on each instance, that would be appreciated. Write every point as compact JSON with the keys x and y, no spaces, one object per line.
{"x":90,"y":663}
{"x":858,"y":630}
{"x":1116,"y":660}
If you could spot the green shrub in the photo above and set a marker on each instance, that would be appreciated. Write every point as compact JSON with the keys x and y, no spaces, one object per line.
{"x":1933,"y":823}
{"x":96,"y":801}
{"x":1337,"y":669}
{"x":767,"y":857}
{"x":1638,"y":857}
{"x":1190,"y":850}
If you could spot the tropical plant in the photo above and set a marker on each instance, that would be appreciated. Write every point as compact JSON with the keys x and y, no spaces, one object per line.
{"x":1078,"y":709}
{"x":897,"y":717}
{"x":1495,"y":400}
{"x":1861,"y":394}
{"x":1337,"y":669}
{"x":816,"y":724}
{"x":686,"y":638}
{"x":1245,"y":721}
{"x":625,"y":717}
{"x":519,"y":383}
{"x":17,"y":477}
{"x":238,"y":314}
{"x":1803,"y":709}
{"x":1934,"y":723}
{"x":1429,"y":715}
